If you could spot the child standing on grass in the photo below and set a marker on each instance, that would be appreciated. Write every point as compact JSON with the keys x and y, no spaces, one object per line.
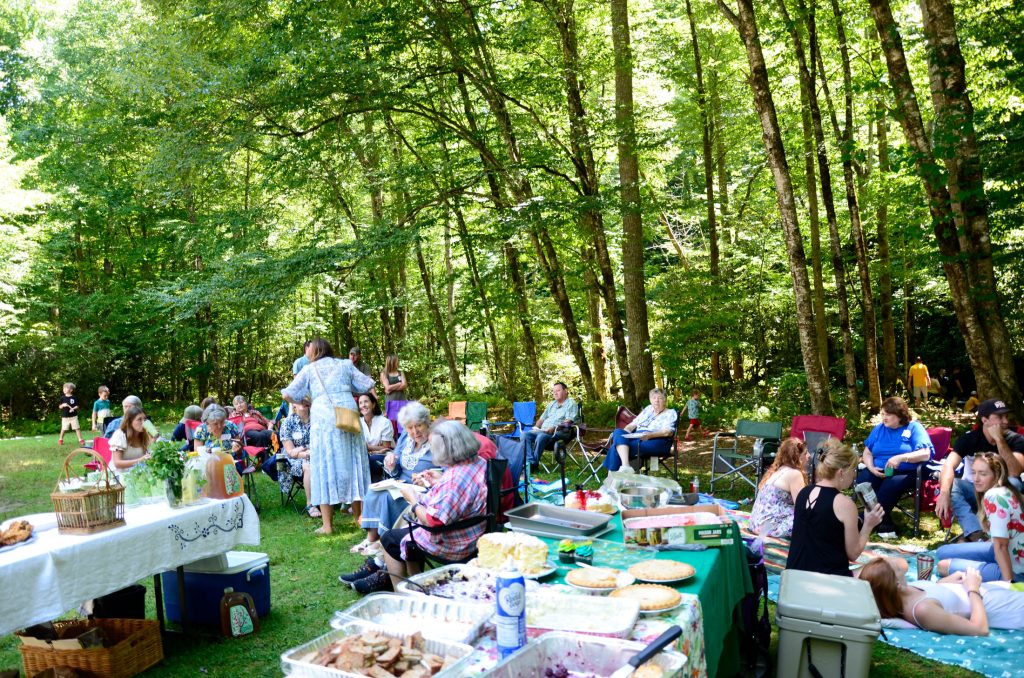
{"x":101,"y":409}
{"x":693,"y":411}
{"x":69,"y":414}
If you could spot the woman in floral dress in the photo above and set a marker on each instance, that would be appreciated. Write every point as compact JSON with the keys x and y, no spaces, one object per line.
{"x":774,"y":505}
{"x":339,"y":468}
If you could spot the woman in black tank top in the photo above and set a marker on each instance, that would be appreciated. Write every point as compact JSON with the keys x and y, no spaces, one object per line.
{"x":825,"y":532}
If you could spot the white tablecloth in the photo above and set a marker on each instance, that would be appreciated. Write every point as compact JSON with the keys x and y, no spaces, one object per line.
{"x":55,"y":573}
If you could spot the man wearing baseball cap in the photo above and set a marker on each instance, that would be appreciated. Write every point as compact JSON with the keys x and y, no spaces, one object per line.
{"x":992,"y":434}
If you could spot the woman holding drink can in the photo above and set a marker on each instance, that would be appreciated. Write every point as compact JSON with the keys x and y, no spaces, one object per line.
{"x":891,"y":454}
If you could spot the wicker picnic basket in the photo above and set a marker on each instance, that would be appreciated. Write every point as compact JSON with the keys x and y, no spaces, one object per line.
{"x":91,"y":510}
{"x":134,"y":646}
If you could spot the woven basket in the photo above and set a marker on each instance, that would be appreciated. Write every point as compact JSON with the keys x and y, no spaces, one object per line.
{"x":92,"y":510}
{"x":134,"y":646}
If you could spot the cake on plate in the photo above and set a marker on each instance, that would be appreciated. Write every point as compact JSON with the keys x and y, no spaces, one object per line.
{"x":528,"y":553}
{"x":590,"y":500}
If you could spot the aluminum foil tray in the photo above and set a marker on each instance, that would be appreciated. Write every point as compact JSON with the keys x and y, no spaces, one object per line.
{"x":293,"y":665}
{"x":412,"y":587}
{"x":580,"y":654}
{"x":455,"y":621}
{"x":586,"y":615}
{"x":556,"y":520}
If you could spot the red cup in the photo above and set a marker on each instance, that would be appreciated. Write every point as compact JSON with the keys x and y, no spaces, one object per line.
{"x":947,"y":522}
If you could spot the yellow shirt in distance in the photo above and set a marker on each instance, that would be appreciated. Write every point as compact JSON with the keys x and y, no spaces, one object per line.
{"x":918,"y":374}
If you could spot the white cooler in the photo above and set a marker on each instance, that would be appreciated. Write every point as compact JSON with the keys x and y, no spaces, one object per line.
{"x":829,"y":621}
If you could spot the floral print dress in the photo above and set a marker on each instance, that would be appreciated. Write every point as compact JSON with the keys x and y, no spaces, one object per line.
{"x":772,"y":515}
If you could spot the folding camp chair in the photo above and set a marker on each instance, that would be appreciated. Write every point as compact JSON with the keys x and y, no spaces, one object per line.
{"x":476,"y":412}
{"x":729,"y":460}
{"x":523,"y":416}
{"x":391,"y":410}
{"x":925,"y":474}
{"x":814,"y":430}
{"x":495,"y":473}
{"x":100,"y":446}
{"x":646,"y":461}
{"x":457,"y":410}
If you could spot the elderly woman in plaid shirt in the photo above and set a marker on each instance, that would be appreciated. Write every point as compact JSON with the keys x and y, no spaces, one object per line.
{"x":458,"y":493}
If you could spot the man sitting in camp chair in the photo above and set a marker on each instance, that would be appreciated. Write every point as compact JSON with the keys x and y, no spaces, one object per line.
{"x":563,"y":410}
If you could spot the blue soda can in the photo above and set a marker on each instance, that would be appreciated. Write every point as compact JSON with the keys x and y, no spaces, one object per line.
{"x":510,"y":595}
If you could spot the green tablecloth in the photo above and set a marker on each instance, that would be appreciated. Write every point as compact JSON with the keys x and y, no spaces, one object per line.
{"x":722,"y":581}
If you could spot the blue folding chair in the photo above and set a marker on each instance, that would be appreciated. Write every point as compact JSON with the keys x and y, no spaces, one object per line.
{"x":523,"y":416}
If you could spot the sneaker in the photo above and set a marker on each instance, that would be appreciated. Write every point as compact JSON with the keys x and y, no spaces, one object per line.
{"x":367,"y":568}
{"x":375,"y":583}
{"x":627,"y":469}
{"x":60,"y":442}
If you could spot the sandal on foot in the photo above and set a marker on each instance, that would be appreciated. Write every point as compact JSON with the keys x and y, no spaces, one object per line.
{"x":358,"y":548}
{"x":323,"y":532}
{"x":312,"y":511}
{"x":372,"y":548}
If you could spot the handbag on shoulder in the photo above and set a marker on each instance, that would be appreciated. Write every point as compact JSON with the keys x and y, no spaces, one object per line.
{"x":345,"y":418}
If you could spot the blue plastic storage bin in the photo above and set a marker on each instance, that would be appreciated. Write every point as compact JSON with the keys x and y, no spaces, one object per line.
{"x":205,"y":581}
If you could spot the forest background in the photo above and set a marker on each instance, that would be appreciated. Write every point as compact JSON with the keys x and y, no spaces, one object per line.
{"x":781,"y":204}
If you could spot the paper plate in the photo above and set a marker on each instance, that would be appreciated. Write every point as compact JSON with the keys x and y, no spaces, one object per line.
{"x":911,"y":549}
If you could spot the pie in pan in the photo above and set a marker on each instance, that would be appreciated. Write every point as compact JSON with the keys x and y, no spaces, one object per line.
{"x":661,"y":570}
{"x":593,"y":578}
{"x":650,"y":596}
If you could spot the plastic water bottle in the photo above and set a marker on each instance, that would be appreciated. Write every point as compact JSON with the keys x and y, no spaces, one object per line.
{"x":758,"y":448}
{"x":695,"y":485}
{"x":510,"y":624}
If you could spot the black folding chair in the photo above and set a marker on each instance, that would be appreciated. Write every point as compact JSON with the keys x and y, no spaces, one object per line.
{"x":495,"y":474}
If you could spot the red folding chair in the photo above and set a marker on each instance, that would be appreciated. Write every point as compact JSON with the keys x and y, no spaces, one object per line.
{"x":100,"y":446}
{"x":814,"y":430}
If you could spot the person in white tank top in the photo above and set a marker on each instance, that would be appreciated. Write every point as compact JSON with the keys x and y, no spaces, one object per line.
{"x":959,"y":604}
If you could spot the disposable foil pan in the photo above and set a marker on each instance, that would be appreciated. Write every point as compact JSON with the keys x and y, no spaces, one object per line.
{"x":415,"y":585}
{"x":436,"y":617}
{"x":580,"y":654}
{"x":586,"y":615}
{"x":556,"y":520}
{"x":293,"y":661}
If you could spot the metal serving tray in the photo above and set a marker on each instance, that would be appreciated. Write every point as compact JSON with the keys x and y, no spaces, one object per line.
{"x":557,"y":520}
{"x":456,"y":621}
{"x":412,"y":586}
{"x":580,"y":654}
{"x":293,"y":664}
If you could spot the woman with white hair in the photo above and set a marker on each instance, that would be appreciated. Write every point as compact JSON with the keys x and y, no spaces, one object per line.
{"x":455,"y":495}
{"x":217,"y":432}
{"x":408,"y":463}
{"x":650,"y":434}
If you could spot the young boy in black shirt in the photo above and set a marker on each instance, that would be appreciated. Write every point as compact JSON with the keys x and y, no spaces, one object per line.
{"x":69,"y":414}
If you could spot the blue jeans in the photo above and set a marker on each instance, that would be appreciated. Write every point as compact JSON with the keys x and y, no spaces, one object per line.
{"x":889,"y":490}
{"x":978,"y":554}
{"x":655,"y":447}
{"x":536,"y":441}
{"x":965,"y":505}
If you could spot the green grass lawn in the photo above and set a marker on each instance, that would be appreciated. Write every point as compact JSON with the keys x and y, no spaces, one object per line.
{"x":304,"y":570}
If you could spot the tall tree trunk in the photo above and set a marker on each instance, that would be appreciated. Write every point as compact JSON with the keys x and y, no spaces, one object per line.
{"x":709,"y":190}
{"x":640,"y":362}
{"x":884,"y":262}
{"x":856,"y":228}
{"x":811,"y":183}
{"x":746,"y":24}
{"x":597,"y":355}
{"x":967,"y":262}
{"x":586,"y":171}
{"x":438,"y":318}
{"x":519,"y":290}
{"x":808,"y":78}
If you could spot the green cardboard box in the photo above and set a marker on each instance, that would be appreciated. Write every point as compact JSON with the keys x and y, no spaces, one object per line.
{"x":709,"y":535}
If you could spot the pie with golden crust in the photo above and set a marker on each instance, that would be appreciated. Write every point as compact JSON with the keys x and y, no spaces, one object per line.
{"x":648,"y":671}
{"x":593,"y":577}
{"x":650,"y":596}
{"x":661,"y":570}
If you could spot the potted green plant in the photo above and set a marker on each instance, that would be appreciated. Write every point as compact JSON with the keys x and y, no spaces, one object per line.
{"x":167,"y":463}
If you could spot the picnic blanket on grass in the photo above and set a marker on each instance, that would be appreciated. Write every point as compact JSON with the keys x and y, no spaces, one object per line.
{"x":999,"y":654}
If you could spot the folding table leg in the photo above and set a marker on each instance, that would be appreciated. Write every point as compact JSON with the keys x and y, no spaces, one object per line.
{"x":182,"y":604}
{"x":158,"y":589}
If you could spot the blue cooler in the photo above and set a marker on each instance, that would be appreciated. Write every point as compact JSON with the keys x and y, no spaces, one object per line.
{"x":205,"y":581}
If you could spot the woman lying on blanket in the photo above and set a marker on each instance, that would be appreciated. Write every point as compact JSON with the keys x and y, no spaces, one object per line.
{"x":826,"y":536}
{"x":959,"y":604}
{"x":772,"y":515}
